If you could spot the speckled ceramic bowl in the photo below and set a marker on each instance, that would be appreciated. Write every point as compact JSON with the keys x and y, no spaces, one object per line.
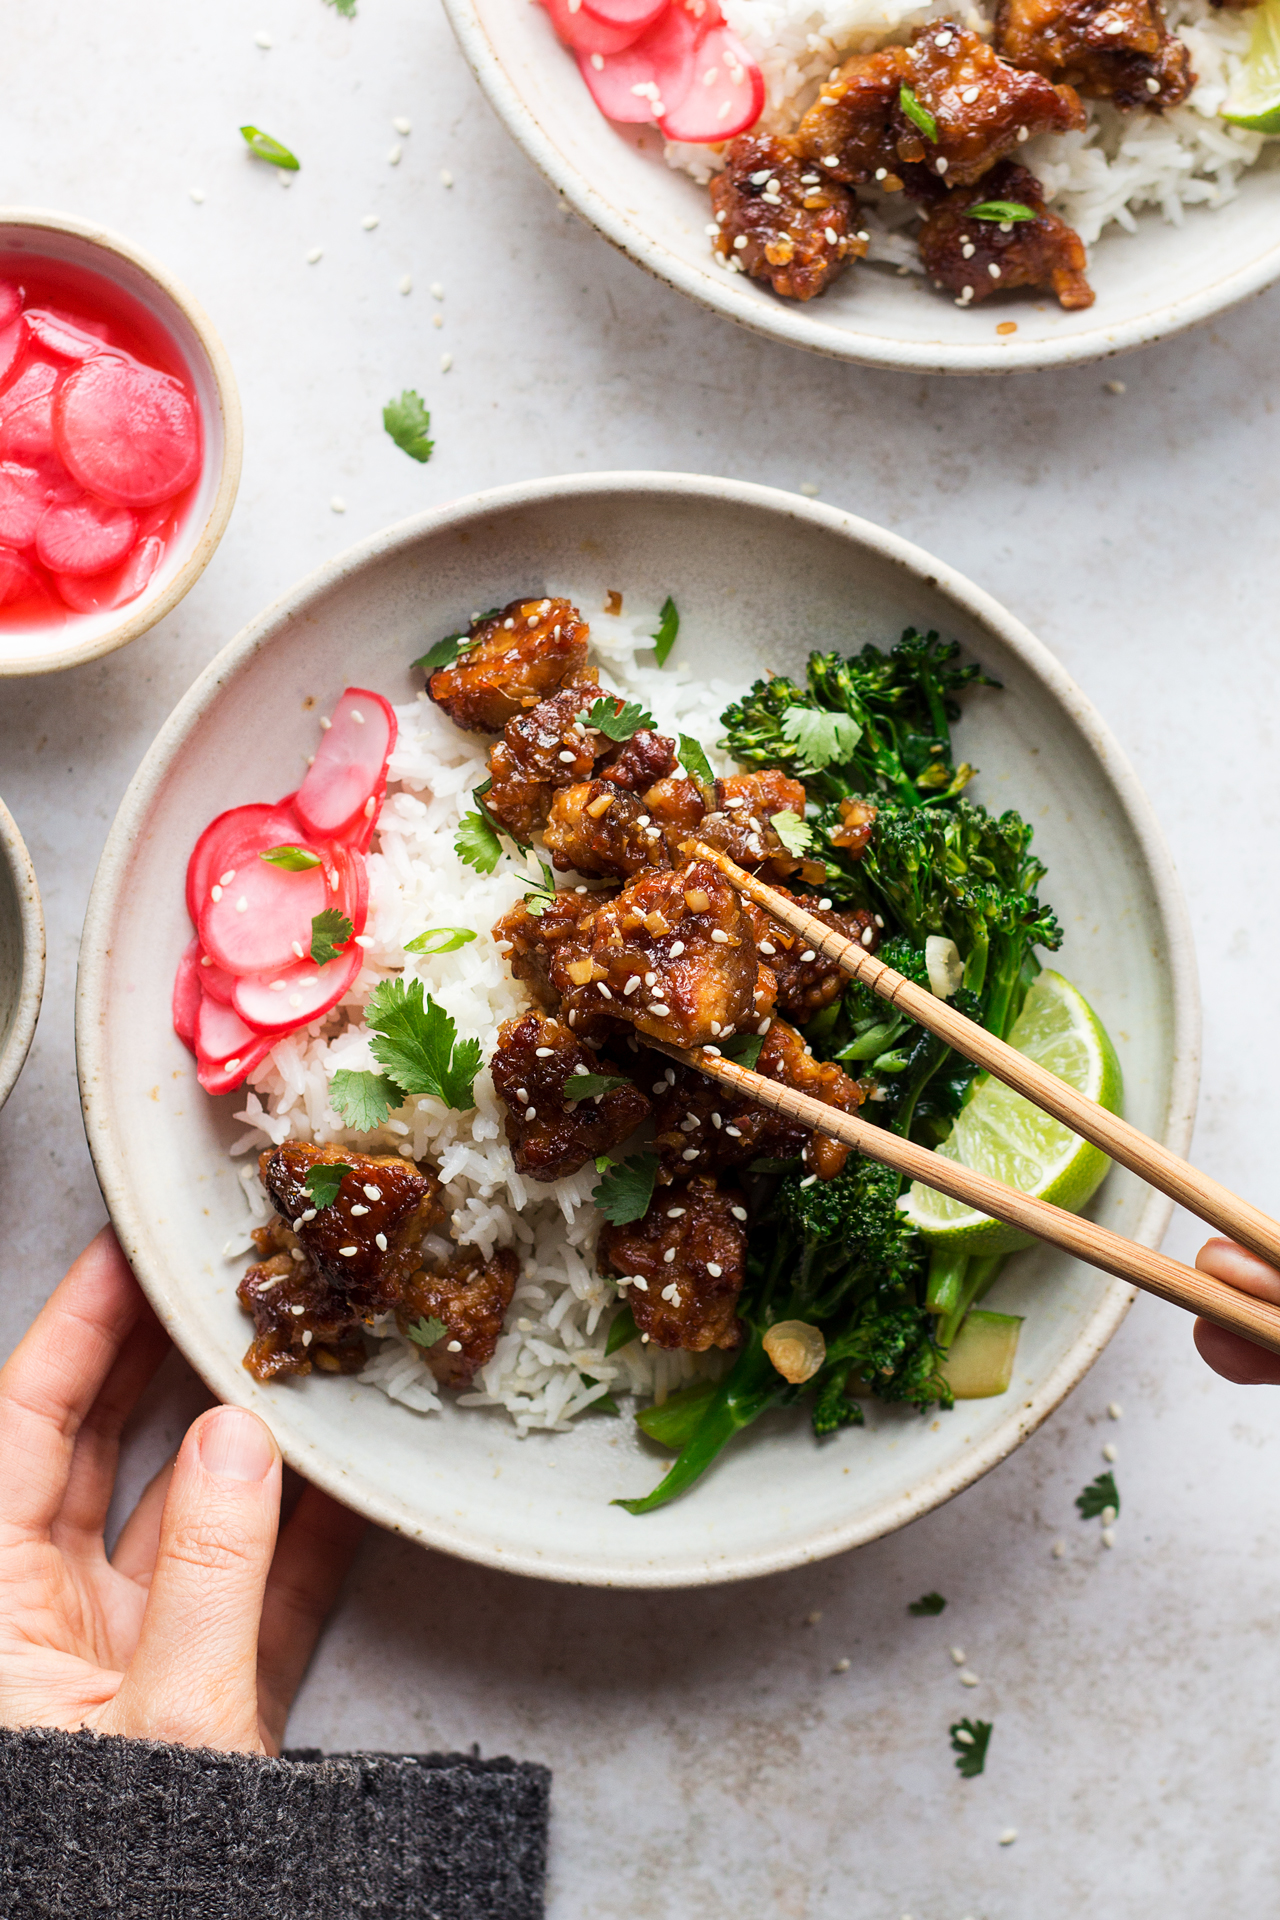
{"x":21,"y":953}
{"x":757,"y":576}
{"x":63,"y":240}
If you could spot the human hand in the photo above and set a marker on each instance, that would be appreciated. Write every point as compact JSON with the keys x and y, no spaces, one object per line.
{"x":1230,"y":1354}
{"x":199,"y":1628}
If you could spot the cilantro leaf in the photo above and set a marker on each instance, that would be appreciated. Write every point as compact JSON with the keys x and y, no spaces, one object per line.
{"x":1098,"y":1496}
{"x":623,"y":1331}
{"x":821,"y":737}
{"x":408,"y":422}
{"x":292,"y":859}
{"x":695,"y":762}
{"x":446,"y":651}
{"x":347,"y":8}
{"x":585,"y":1086}
{"x":927,"y":1605}
{"x":795,"y":834}
{"x":428,"y":1332}
{"x":440,"y":940}
{"x":668,"y":628}
{"x":618,"y":722}
{"x":1000,"y":210}
{"x":476,"y":843}
{"x":627,"y":1189}
{"x":744,"y":1048}
{"x":969,"y":1742}
{"x":603,"y":1403}
{"x":416,"y":1041}
{"x":920,"y":116}
{"x":603,"y":1162}
{"x":363,"y":1100}
{"x":330,"y":932}
{"x":323,"y":1180}
{"x":270,"y":150}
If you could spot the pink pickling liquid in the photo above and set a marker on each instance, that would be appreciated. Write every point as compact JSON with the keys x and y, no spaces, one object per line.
{"x":100,"y":444}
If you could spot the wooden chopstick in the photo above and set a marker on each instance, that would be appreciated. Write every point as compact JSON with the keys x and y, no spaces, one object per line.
{"x":1257,"y":1320}
{"x":1198,"y":1192}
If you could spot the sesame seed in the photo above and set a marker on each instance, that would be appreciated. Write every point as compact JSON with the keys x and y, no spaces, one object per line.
{"x":824,"y":906}
{"x":307,"y":1337}
{"x":758,"y":179}
{"x":232,"y":1065}
{"x":735,"y":1133}
{"x":395,"y":155}
{"x":531,"y":1113}
{"x":565,"y":756}
{"x":739,"y":1213}
{"x":942,"y":165}
{"x":1109,"y":1516}
{"x":958,"y":1655}
{"x":715,"y":1026}
{"x":740,"y":242}
{"x":638,"y":1280}
{"x":522,"y":1093}
{"x":831,"y":160}
{"x":767,"y":946}
{"x":380,"y":1241}
{"x":968,"y":1679}
{"x":1024,"y":133}
{"x":808,"y":954}
{"x":809,"y":1180}
{"x":1108,"y":1536}
{"x":669,"y":1255}
{"x":1115,"y":1410}
{"x":358,"y":1210}
{"x":670,"y":1076}
{"x":765,"y":1025}
{"x":994,"y":271}
{"x":708,"y":1048}
{"x":605,"y":993}
{"x":336,"y":505}
{"x":401,"y":125}
{"x":446,"y":178}
{"x":690,"y":1153}
{"x":714,"y":1269}
{"x":676,"y":1213}
{"x":267,"y":1285}
{"x":297,"y":1311}
{"x":1008,"y":1837}
{"x":659,"y":1007}
{"x":659,"y":1086}
{"x":968,"y":250}
{"x":215,"y":893}
{"x":1058,"y":1549}
{"x":369,"y":221}
{"x":262,"y":40}
{"x":347,"y":1252}
{"x":197,"y":194}
{"x":690,"y":1123}
{"x":842,"y":1666}
{"x":1111,"y":1451}
{"x":651,"y":979}
{"x":1153,"y":85}
{"x":303,"y":1218}
{"x":676,"y":951}
{"x":446,"y":361}
{"x":720,"y":937}
{"x":296,"y":947}
{"x":969,"y":95}
{"x":543,"y":1053}
{"x":631,"y":986}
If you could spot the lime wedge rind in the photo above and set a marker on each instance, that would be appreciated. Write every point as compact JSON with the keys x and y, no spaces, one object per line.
{"x":1254,"y":100}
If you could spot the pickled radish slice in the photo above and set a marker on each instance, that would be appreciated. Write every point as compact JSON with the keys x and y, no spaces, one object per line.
{"x":220,"y":1032}
{"x":348,"y":776}
{"x":724,"y":97}
{"x":186,"y":996}
{"x":277,"y":1002}
{"x":61,"y":336}
{"x":84,"y":536}
{"x":24,"y":501}
{"x":221,"y":846}
{"x":10,"y":302}
{"x":588,"y":31}
{"x":219,"y":1077}
{"x":126,"y":432}
{"x":216,"y":981}
{"x":18,"y":580}
{"x":13,"y":340}
{"x":26,"y":414}
{"x":649,"y":78}
{"x":263,"y":918}
{"x":101,"y":592}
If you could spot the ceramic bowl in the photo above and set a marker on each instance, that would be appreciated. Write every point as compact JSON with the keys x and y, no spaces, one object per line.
{"x":65,"y":241}
{"x":1152,"y":283}
{"x":758,"y":576}
{"x":21,"y":952}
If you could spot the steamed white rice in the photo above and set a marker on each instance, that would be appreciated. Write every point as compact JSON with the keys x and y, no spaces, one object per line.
{"x":559,"y":1319}
{"x":1105,"y":174}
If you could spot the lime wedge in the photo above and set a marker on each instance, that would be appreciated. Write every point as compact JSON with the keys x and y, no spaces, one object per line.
{"x":1254,"y":99}
{"x":1001,"y":1134}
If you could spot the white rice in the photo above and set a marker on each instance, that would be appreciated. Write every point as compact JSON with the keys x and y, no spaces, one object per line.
{"x":1105,"y":174}
{"x":559,"y":1319}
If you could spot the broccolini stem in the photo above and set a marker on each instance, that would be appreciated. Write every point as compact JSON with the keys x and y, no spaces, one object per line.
{"x":931,"y":1060}
{"x":947,"y":1266}
{"x":676,"y":1421}
{"x":752,"y":1385}
{"x":984,"y":1271}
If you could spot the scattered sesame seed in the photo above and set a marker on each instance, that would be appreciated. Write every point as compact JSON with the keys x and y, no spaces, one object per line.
{"x":1059,"y":1549}
{"x":842,"y":1666}
{"x":232,"y":1065}
{"x":446,"y":361}
{"x":1108,"y":1536}
{"x":831,"y":159}
{"x":307,"y":1337}
{"x":215,"y":893}
{"x":1109,"y":1516}
{"x":810,"y":489}
{"x":531,"y":1113}
{"x":739,"y":1213}
{"x":767,"y":946}
{"x":720,"y":937}
{"x":677,"y":949}
{"x":197,"y":194}
{"x":262,"y":40}
{"x":676,"y":1213}
{"x":1111,"y":1451}
{"x":567,"y":758}
{"x":659,"y":1007}
{"x":369,"y":221}
{"x":994,"y":271}
{"x":833,"y":238}
{"x":359,"y":1210}
{"x":380,"y":1240}
{"x":446,"y":178}
{"x":714,"y":1269}
{"x":297,"y":1312}
{"x":638,"y":1280}
{"x":1116,"y":386}
{"x":1115,"y":1410}
{"x":631,"y":986}
{"x":807,"y":955}
{"x":522,"y":1094}
{"x":659,"y":1086}
{"x":242,"y":904}
{"x":1153,"y":85}
{"x":809,"y":1180}
{"x":336,"y":505}
{"x":347,"y":1253}
{"x":958,"y":1655}
{"x":690,"y":1153}
{"x":406,"y":286}
{"x":968,"y":1679}
{"x":1008,"y":1837}
{"x":669,"y":1255}
{"x":395,"y":155}
{"x":297,"y":948}
{"x":1023,"y":134}
{"x":824,"y":906}
{"x":942,"y":165}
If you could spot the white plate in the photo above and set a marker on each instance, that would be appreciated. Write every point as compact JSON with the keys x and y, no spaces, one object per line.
{"x":1149,"y":284}
{"x":759,"y":577}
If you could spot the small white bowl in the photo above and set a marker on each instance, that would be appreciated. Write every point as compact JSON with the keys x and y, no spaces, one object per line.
{"x":1149,"y":284}
{"x":759,"y":577}
{"x":21,"y":952}
{"x":60,"y":238}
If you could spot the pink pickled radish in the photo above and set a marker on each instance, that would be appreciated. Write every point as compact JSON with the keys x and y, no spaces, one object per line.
{"x":126,"y":432}
{"x":639,"y":15}
{"x":100,"y":592}
{"x":278,"y":1002}
{"x":220,"y":1032}
{"x":216,"y":981}
{"x":186,"y":996}
{"x":649,"y":78}
{"x":348,"y":776}
{"x":18,"y":580}
{"x":223,"y":1077}
{"x":84,"y":536}
{"x":24,"y":501}
{"x":10,"y":302}
{"x":589,"y":31}
{"x":61,"y":336}
{"x":26,"y":414}
{"x":13,"y":340}
{"x":256,"y":922}
{"x":724,"y":97}
{"x":218,"y":850}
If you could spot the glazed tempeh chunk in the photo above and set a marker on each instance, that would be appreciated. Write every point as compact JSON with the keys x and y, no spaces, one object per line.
{"x":806,"y":982}
{"x":366,"y":1243}
{"x":470,"y":1297}
{"x":673,"y":954}
{"x":597,"y":827}
{"x":1117,"y":50}
{"x":976,"y":258}
{"x":546,"y":748}
{"x":741,"y":824}
{"x":533,"y":938}
{"x":509,"y":662}
{"x":299,"y":1319}
{"x":781,"y":219}
{"x":639,"y":761}
{"x":686,"y":1261}
{"x":552,"y":1135}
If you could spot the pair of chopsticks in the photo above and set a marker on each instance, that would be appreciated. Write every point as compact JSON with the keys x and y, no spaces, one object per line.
{"x":1257,"y":1320}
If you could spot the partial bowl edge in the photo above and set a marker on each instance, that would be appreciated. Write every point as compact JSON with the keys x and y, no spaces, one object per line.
{"x":20,"y":877}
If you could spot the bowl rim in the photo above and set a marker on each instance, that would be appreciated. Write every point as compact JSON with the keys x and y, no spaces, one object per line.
{"x":16,"y":1044}
{"x":76,"y":653}
{"x":109,"y":1153}
{"x":795,"y":324}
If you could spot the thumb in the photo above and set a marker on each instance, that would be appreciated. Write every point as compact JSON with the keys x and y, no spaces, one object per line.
{"x":193,"y":1678}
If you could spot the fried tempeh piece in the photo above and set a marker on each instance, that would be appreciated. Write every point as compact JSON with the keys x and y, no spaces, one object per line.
{"x":546,"y":748}
{"x":806,"y":982}
{"x":299,"y":1319}
{"x":365,"y":1244}
{"x":1120,"y":50}
{"x":976,"y":258}
{"x":550,"y":1134}
{"x":686,"y":1261}
{"x":470,"y":1296}
{"x":509,"y":662}
{"x":780,"y":219}
{"x":597,"y":827}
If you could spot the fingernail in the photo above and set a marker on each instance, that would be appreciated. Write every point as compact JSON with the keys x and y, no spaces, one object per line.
{"x":236,"y":1446}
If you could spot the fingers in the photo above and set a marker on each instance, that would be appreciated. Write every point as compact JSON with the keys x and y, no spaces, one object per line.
{"x":54,"y":1376}
{"x":139,"y":1541}
{"x":193,"y":1678}
{"x":96,"y":1456}
{"x":315,"y":1552}
{"x":1229,"y":1354}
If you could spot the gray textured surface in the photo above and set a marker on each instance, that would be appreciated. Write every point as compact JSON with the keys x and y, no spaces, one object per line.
{"x":709,"y":1763}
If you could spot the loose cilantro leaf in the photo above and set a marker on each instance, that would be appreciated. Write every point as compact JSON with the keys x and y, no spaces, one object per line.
{"x":347,"y":8}
{"x":695,"y":762}
{"x":363,"y":1100}
{"x":322,"y":1181}
{"x":627,"y":1189}
{"x":927,"y":1605}
{"x":795,"y":834}
{"x":440,"y":940}
{"x":1000,"y":210}
{"x":668,"y":628}
{"x":1098,"y":1496}
{"x":617,"y":723}
{"x":585,"y":1086}
{"x":330,"y":932}
{"x":270,"y":150}
{"x":921,"y":116}
{"x":446,"y":651}
{"x":744,"y":1048}
{"x":416,"y":1041}
{"x":603,"y":1163}
{"x":623,"y":1331}
{"x":476,"y":843}
{"x":821,"y":737}
{"x":408,"y":422}
{"x":969,"y":1742}
{"x":606,"y":1402}
{"x":428,"y":1332}
{"x":292,"y":859}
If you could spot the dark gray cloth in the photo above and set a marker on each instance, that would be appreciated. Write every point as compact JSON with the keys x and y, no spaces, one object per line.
{"x":134,"y":1830}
